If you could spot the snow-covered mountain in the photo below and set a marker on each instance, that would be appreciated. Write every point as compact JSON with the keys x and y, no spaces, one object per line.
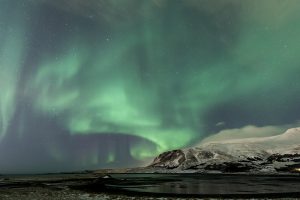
{"x":280,"y":153}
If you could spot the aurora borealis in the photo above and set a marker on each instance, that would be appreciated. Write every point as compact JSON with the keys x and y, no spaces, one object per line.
{"x":113,"y":83}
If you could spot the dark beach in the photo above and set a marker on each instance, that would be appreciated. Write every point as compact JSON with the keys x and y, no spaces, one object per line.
{"x":148,"y":186}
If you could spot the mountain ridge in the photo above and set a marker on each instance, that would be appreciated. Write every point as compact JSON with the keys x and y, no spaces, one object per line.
{"x":265,"y":155}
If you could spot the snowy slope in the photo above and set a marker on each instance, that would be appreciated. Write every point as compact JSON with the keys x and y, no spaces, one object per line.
{"x":265,"y":155}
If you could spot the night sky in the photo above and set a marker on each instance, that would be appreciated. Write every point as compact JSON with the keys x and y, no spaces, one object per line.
{"x":87,"y":84}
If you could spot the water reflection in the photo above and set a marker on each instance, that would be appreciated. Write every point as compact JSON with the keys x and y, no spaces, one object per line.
{"x":208,"y":184}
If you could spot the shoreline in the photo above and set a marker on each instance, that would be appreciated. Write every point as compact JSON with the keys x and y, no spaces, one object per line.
{"x":95,"y":186}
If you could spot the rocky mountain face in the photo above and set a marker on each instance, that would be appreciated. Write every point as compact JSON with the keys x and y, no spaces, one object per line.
{"x":276,"y":154}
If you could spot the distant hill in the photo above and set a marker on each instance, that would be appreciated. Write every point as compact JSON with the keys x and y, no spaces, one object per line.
{"x":266,"y":155}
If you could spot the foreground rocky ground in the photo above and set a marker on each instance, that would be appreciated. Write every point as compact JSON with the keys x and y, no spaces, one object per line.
{"x":38,"y":193}
{"x":94,"y":186}
{"x":57,"y":187}
{"x":61,"y":187}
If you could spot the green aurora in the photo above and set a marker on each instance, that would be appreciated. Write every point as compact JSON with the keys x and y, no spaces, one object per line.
{"x":164,"y":71}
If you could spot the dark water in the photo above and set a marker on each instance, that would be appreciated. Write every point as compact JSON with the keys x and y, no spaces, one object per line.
{"x":195,"y":184}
